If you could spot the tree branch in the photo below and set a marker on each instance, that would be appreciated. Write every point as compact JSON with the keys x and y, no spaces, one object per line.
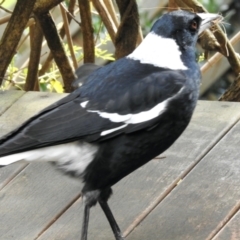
{"x":127,"y":33}
{"x":36,"y":37}
{"x":47,"y":63}
{"x":13,"y":33}
{"x":56,"y":47}
{"x":87,"y":30}
{"x":44,"y":6}
{"x":106,"y":17}
{"x":68,"y":34}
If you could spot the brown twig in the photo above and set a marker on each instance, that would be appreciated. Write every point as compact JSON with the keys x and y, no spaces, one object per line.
{"x":4,"y":9}
{"x":110,"y":8}
{"x":56,"y":47}
{"x":231,"y":55}
{"x":44,"y":6}
{"x":233,"y":92}
{"x":46,"y":65}
{"x":5,"y":19}
{"x":68,"y":34}
{"x":13,"y":33}
{"x":87,"y":30}
{"x":108,"y":21}
{"x":70,"y":15}
{"x":127,"y":33}
{"x":36,"y":38}
{"x":218,"y":56}
{"x":172,"y":5}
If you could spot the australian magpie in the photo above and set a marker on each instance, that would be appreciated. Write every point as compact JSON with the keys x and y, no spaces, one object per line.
{"x":123,"y":114}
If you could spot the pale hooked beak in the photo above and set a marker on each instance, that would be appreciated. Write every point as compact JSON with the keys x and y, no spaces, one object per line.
{"x":208,"y":19}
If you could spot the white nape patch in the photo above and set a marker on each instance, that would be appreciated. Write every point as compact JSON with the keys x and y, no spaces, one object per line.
{"x":137,"y":117}
{"x":74,"y":156}
{"x":84,"y":104}
{"x":160,"y":52}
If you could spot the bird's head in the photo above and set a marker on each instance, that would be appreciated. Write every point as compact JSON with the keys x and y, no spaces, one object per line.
{"x":172,"y":39}
{"x":183,"y":26}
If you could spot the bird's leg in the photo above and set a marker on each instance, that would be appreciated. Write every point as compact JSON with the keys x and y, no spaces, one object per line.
{"x":115,"y":228}
{"x":106,"y":209}
{"x":85,"y":222}
{"x":90,"y":199}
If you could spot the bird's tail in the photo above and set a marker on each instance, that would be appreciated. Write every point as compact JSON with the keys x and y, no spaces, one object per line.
{"x":45,"y":154}
{"x":72,"y":156}
{"x":7,"y":160}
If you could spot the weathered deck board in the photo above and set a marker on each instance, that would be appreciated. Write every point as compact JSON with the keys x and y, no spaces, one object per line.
{"x":141,"y":189}
{"x":26,"y":197}
{"x":39,"y":194}
{"x":202,"y":200}
{"x":231,"y":231}
{"x":8,"y":98}
{"x":25,"y":106}
{"x":31,"y":201}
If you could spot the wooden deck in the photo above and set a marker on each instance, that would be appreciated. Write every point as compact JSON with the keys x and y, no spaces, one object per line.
{"x":192,"y":193}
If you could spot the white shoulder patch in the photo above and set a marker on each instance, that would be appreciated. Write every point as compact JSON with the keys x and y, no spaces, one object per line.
{"x":84,"y":104}
{"x":136,"y":118}
{"x":160,"y":52}
{"x":133,"y":118}
{"x":103,"y":133}
{"x":113,"y":117}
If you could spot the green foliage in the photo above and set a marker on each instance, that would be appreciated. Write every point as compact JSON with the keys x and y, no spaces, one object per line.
{"x":211,"y":5}
{"x":104,"y":54}
{"x":200,"y":57}
{"x":51,"y":80}
{"x":12,"y":73}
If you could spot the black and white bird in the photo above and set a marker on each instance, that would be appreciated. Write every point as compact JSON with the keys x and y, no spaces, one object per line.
{"x":122,"y":116}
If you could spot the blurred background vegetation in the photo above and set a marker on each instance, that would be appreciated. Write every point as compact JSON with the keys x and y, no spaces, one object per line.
{"x":33,"y":66}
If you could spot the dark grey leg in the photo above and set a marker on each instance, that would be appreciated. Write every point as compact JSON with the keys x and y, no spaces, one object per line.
{"x":115,"y":228}
{"x":85,"y":222}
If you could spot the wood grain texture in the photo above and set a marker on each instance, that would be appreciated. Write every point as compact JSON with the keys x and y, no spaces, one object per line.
{"x":25,"y":106}
{"x":151,"y":183}
{"x":7,"y":98}
{"x":33,"y":199}
{"x":26,"y":205}
{"x":231,"y":231}
{"x":197,"y":206}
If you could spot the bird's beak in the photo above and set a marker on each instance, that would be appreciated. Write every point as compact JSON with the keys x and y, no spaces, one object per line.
{"x":208,"y":19}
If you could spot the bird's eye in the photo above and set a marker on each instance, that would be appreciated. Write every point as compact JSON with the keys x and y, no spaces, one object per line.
{"x":194,"y":25}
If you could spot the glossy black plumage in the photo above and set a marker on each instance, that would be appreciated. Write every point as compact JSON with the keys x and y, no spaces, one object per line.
{"x":66,"y":121}
{"x":127,"y":112}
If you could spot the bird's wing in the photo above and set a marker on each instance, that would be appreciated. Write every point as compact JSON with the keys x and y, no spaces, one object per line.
{"x":83,"y":73}
{"x":99,"y":116}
